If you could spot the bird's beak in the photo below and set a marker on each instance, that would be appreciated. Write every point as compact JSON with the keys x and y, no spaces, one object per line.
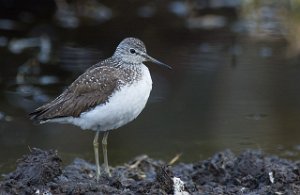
{"x":149,"y":58}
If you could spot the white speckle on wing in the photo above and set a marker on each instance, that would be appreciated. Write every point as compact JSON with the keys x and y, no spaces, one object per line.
{"x":122,"y":107}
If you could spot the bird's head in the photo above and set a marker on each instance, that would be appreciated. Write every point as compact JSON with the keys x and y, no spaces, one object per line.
{"x":133,"y":51}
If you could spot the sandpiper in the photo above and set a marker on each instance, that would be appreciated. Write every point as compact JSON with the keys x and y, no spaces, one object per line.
{"x":106,"y":96}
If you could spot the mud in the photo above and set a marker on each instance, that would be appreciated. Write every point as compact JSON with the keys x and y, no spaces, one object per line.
{"x":251,"y":172}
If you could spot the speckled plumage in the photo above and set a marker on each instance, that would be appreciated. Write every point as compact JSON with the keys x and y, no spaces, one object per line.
{"x":106,"y":96}
{"x":92,"y":88}
{"x":95,"y":86}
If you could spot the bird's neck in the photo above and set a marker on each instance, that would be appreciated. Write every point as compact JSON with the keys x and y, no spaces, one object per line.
{"x":127,"y":66}
{"x":126,"y":72}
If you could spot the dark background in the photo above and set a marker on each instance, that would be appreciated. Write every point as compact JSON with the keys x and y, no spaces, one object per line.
{"x":234,"y":83}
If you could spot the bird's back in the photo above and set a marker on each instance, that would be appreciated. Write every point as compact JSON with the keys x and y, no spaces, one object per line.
{"x":92,"y":88}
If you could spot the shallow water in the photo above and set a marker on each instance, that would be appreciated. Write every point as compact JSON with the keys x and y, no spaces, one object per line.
{"x":228,"y":89}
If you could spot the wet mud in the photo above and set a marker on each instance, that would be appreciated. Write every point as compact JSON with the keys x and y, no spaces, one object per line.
{"x":251,"y":172}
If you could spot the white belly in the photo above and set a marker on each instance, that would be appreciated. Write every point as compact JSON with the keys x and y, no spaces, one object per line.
{"x":123,"y":106}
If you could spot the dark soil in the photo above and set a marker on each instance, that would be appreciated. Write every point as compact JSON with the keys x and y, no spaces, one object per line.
{"x":251,"y":172}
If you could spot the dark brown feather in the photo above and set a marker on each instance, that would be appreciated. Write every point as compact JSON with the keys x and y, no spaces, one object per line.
{"x":92,"y":88}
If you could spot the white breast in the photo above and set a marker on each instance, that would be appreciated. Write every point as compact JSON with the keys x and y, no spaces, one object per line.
{"x":123,"y":106}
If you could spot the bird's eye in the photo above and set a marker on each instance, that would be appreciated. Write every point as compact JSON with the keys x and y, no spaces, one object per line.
{"x":132,"y":51}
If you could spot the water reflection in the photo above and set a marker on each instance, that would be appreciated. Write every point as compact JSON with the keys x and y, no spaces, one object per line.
{"x":43,"y":43}
{"x":233,"y":86}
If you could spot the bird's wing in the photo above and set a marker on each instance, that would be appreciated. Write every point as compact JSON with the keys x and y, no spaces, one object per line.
{"x":92,"y":88}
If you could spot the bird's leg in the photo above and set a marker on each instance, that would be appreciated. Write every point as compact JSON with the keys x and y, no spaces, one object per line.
{"x":104,"y":146}
{"x":96,"y":151}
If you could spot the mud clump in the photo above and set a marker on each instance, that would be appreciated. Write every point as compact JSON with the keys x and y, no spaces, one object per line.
{"x":251,"y":172}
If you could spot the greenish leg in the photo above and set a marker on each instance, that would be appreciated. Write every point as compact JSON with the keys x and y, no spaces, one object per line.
{"x":96,"y":151}
{"x":104,"y":146}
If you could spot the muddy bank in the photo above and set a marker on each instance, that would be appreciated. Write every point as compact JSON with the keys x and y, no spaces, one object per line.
{"x":251,"y":172}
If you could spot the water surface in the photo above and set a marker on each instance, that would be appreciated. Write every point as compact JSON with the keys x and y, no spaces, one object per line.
{"x":229,"y":88}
